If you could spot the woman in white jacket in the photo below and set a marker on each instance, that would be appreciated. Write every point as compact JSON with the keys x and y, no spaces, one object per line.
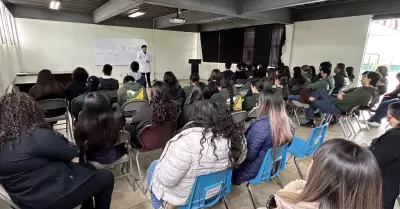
{"x":214,"y":144}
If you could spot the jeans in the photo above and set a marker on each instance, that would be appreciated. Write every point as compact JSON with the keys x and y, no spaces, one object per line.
{"x":154,"y":201}
{"x":294,"y":97}
{"x":381,"y":110}
{"x":147,"y":75}
{"x":324,"y":102}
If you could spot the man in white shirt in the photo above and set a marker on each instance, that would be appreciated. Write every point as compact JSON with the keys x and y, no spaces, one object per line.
{"x":144,"y":59}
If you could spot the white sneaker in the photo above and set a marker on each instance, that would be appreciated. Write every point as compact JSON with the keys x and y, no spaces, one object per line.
{"x":374,"y":124}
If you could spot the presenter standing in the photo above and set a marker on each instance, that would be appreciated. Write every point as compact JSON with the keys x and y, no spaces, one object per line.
{"x":144,"y":59}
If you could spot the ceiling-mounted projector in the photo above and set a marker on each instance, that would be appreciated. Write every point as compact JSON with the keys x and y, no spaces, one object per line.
{"x":177,"y":20}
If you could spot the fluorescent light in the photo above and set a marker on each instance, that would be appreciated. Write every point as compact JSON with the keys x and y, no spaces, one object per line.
{"x":136,"y":14}
{"x":55,"y":4}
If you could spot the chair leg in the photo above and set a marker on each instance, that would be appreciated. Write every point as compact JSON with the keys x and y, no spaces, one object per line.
{"x":278,"y":180}
{"x":351,"y":128}
{"x":358,"y":121}
{"x":296,"y":116}
{"x":225,"y":202}
{"x":298,"y":168}
{"x":328,"y":120}
{"x":131,"y":170}
{"x":323,"y":119}
{"x":251,"y":195}
{"x":343,"y":129}
{"x":365,"y":121}
{"x":140,"y":172}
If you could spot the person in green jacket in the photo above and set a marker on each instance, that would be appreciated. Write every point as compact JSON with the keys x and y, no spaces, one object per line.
{"x":326,"y":83}
{"x":251,"y":101}
{"x":345,"y":100}
{"x":341,"y":78}
{"x":130,"y":90}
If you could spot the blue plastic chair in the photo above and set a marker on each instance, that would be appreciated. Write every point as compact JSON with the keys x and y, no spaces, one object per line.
{"x":204,"y":183}
{"x":303,"y":148}
{"x":270,"y":168}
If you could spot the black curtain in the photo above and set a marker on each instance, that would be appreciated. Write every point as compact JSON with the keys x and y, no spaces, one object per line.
{"x":210,"y":46}
{"x":268,"y":44}
{"x":231,"y":45}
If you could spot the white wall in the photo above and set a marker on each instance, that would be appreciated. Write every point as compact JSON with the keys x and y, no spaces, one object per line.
{"x":63,"y":46}
{"x":336,"y":40}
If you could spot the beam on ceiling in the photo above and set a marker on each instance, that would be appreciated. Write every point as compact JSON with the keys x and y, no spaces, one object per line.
{"x":233,"y":24}
{"x":352,"y":8}
{"x":114,"y":8}
{"x":249,"y":6}
{"x":190,"y":17}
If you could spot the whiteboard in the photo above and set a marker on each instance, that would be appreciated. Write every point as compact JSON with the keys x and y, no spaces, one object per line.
{"x":116,"y":51}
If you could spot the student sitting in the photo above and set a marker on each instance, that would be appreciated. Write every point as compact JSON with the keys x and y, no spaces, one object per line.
{"x":345,"y":100}
{"x":326,"y":83}
{"x":175,"y":90}
{"x":382,"y":85}
{"x":107,"y":82}
{"x":386,"y":151}
{"x":215,"y":76}
{"x":228,"y":94}
{"x":269,"y":81}
{"x":315,"y":76}
{"x":160,"y":109}
{"x":239,"y":73}
{"x":78,"y":85}
{"x":306,"y":70}
{"x":341,"y":79}
{"x":97,"y":115}
{"x":211,"y":89}
{"x":248,"y":71}
{"x":130,"y":90}
{"x":298,"y":82}
{"x":272,"y":129}
{"x":47,"y":87}
{"x":251,"y":101}
{"x":139,"y":78}
{"x":350,"y":73}
{"x":196,"y":95}
{"x":77,"y":103}
{"x":36,"y":167}
{"x":228,"y":73}
{"x":394,"y":93}
{"x":341,"y":175}
{"x":194,"y":80}
{"x":214,"y":144}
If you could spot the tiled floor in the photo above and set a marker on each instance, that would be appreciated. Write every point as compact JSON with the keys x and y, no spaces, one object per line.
{"x":124,"y":197}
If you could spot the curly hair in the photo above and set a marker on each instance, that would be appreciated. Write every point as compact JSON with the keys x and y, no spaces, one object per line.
{"x":214,"y":117}
{"x":161,"y":104}
{"x":19,"y":113}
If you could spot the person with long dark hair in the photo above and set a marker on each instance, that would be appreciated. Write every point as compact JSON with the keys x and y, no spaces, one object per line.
{"x":174,"y":88}
{"x":211,"y":89}
{"x":160,"y":109}
{"x":47,"y":87}
{"x":194,"y":80}
{"x":386,"y":151}
{"x":97,"y":115}
{"x":272,"y":129}
{"x":196,"y":95}
{"x":78,"y":85}
{"x":214,"y":144}
{"x":227,"y":94}
{"x":341,"y":175}
{"x":298,"y":82}
{"x":36,"y":167}
{"x":215,"y":76}
{"x":269,"y":81}
{"x":350,"y":73}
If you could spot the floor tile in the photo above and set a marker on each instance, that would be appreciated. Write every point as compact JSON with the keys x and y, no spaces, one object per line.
{"x":124,"y":197}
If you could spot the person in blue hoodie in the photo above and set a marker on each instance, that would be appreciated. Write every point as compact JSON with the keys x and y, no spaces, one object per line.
{"x":272,"y":129}
{"x":136,"y":75}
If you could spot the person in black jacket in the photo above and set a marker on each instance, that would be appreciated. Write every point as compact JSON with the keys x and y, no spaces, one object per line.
{"x":228,"y":74}
{"x":107,"y":82}
{"x":196,"y":95}
{"x":175,"y":90}
{"x":36,"y":168}
{"x":78,"y":85}
{"x":386,"y":151}
{"x":239,"y":73}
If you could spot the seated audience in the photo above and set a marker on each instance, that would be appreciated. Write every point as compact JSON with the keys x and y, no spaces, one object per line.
{"x":271,"y":130}
{"x":78,"y":85}
{"x":160,"y":109}
{"x":227,"y":94}
{"x":350,"y":73}
{"x":341,"y":175}
{"x":214,"y":144}
{"x":47,"y":87}
{"x":262,"y":71}
{"x":36,"y":167}
{"x":211,"y":90}
{"x":139,"y":78}
{"x":251,"y":101}
{"x":175,"y":90}
{"x":298,"y":82}
{"x":130,"y":90}
{"x":239,"y":73}
{"x":196,"y":95}
{"x":228,"y":73}
{"x":107,"y":82}
{"x":215,"y":76}
{"x":194,"y":80}
{"x":341,"y":78}
{"x":394,"y":93}
{"x":386,"y":151}
{"x":269,"y":81}
{"x":315,"y":76}
{"x":326,"y":83}
{"x":382,"y":85}
{"x":77,"y":103}
{"x":97,"y":115}
{"x":380,"y":112}
{"x":345,"y":100}
{"x":249,"y":71}
{"x":306,"y":70}
{"x":282,"y":85}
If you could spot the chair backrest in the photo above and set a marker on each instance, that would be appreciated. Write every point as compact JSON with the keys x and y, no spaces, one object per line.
{"x":315,"y":139}
{"x":51,"y":104}
{"x":130,"y":107}
{"x":351,"y":110}
{"x":253,"y":113}
{"x":153,"y":137}
{"x":204,"y":183}
{"x":271,"y":166}
{"x":239,"y":117}
{"x":4,"y":196}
